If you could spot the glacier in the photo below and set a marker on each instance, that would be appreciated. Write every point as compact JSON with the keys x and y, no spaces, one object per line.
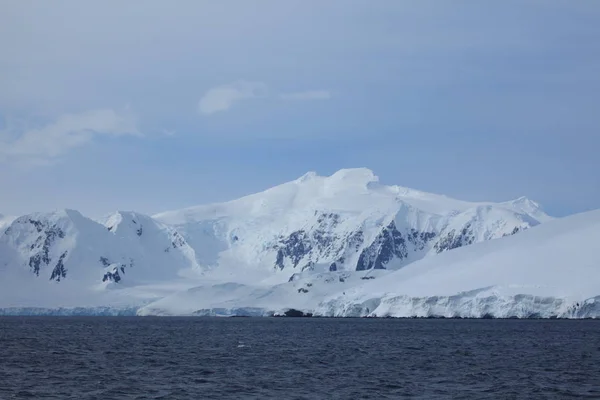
{"x":343,"y":245}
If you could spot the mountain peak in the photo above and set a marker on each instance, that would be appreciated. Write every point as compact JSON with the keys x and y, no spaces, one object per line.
{"x":131,"y":218}
{"x":352,"y":180}
{"x":307,"y":177}
{"x":65,"y":214}
{"x":344,"y":175}
{"x":355,"y":175}
{"x":524,"y":200}
{"x":529,"y":207}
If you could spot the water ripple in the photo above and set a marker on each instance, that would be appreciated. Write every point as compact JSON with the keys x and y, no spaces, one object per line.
{"x":216,"y":358}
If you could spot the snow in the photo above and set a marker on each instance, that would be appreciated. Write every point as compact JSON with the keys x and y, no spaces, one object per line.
{"x":248,"y":231}
{"x":63,"y":257}
{"x":303,"y":292}
{"x":309,"y":244}
{"x":5,"y":220}
{"x":546,"y":270}
{"x":351,"y":190}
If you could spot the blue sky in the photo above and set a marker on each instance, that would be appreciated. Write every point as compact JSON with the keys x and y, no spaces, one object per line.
{"x":106,"y":106}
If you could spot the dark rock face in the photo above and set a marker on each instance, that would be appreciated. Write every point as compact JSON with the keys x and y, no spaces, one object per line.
{"x":48,"y":234}
{"x":320,"y":242}
{"x":515,"y":231}
{"x":34,"y":263}
{"x":311,"y":244}
{"x":294,"y":247}
{"x":296,"y":313}
{"x":390,"y":244}
{"x":387,"y":245}
{"x":114,"y":274}
{"x":420,"y":239}
{"x":39,"y":225}
{"x":176,"y":241}
{"x":355,"y":240}
{"x":455,"y":239}
{"x":59,"y":270}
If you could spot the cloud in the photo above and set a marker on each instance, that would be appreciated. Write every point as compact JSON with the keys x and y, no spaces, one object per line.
{"x":42,"y":145}
{"x":223,"y":97}
{"x":307,"y":95}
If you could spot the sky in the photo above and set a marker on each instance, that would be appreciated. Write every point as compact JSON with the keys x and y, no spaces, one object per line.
{"x":156,"y":105}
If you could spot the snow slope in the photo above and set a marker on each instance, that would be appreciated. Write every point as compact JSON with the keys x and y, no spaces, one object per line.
{"x":304,"y":291}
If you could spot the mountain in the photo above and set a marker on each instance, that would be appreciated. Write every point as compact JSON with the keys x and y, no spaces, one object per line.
{"x":345,"y":222}
{"x":128,"y":248}
{"x":552,"y":270}
{"x":548,"y":271}
{"x":339,"y":245}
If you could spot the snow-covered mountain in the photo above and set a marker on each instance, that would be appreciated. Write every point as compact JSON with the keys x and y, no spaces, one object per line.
{"x":549,"y":271}
{"x":341,"y":245}
{"x":552,"y":270}
{"x":344,"y":222}
{"x":65,"y":245}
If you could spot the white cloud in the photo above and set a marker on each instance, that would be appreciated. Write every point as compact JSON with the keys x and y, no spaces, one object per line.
{"x":44,"y":144}
{"x":221,"y":98}
{"x":307,"y":95}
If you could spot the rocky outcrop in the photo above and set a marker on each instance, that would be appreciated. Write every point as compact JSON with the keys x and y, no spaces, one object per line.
{"x":59,"y":270}
{"x":307,"y":248}
{"x":390,"y":244}
{"x":47,"y":234}
{"x":454,"y":239}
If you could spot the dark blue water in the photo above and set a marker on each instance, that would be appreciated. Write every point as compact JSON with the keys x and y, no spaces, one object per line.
{"x":232,"y":358}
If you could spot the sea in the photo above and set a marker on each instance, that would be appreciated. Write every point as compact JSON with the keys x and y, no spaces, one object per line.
{"x":297,"y":358}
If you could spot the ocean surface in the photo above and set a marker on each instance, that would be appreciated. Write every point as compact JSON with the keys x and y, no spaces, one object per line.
{"x":297,"y":358}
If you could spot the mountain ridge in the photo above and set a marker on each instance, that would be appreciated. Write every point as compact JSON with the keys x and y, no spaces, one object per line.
{"x":346,"y":221}
{"x":550,"y":271}
{"x":293,"y":245}
{"x":313,"y":220}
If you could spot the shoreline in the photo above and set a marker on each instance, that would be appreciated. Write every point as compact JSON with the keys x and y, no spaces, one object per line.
{"x":91,"y":312}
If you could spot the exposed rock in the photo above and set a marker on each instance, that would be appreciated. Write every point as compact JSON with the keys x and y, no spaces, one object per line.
{"x":296,"y":313}
{"x":59,"y":270}
{"x":390,"y":244}
{"x":48,"y":235}
{"x":455,"y":239}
